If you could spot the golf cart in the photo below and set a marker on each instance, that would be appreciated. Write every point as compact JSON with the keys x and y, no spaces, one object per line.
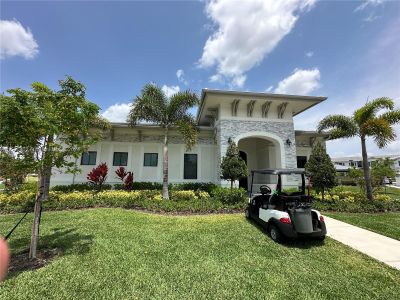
{"x":284,"y":212}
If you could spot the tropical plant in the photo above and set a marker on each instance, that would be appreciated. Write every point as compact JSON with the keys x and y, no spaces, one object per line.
{"x":48,"y":128}
{"x":233,"y":167}
{"x":125,"y":177}
{"x":367,"y":121}
{"x":321,"y":169}
{"x":154,"y":106}
{"x":98,"y":176}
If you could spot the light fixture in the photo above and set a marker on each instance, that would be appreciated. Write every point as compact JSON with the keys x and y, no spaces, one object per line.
{"x":288,"y":142}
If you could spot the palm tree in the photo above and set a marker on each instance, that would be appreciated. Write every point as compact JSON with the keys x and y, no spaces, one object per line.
{"x":365,"y":122}
{"x":153,"y":106}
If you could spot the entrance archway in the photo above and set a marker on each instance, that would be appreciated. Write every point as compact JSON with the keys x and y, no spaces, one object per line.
{"x":263,"y":151}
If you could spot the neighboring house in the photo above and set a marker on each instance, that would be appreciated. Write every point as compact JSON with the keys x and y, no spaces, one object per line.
{"x":260,"y":123}
{"x":356,"y":161}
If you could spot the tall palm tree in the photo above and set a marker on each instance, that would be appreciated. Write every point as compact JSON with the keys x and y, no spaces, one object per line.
{"x":153,"y":106}
{"x":365,"y":122}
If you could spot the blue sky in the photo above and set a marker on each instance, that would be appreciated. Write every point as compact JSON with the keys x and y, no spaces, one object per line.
{"x":346,"y":50}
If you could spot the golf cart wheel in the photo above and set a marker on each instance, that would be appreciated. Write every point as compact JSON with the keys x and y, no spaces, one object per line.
{"x":275,"y":234}
{"x":247,"y":213}
{"x":320,"y":238}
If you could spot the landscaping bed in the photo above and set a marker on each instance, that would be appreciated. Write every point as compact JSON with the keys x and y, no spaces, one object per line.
{"x":387,"y":224}
{"x":220,"y":200}
{"x":123,"y":254}
{"x":352,"y":199}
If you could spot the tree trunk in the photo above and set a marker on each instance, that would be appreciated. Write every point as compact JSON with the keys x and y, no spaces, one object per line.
{"x":42,"y":195}
{"x":367,"y":175}
{"x":165,"y":193}
{"x":323,"y":194}
{"x":231,"y":184}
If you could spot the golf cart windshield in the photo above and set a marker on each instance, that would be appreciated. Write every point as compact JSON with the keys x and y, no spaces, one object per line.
{"x":291,"y":184}
{"x":281,"y":181}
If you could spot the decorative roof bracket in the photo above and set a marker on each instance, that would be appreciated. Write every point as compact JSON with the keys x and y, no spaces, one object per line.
{"x":265,"y":108}
{"x":235,"y":105}
{"x":281,"y":109}
{"x":250,"y":107}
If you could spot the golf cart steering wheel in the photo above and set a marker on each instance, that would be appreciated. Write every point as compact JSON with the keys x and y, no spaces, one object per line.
{"x":265,"y":189}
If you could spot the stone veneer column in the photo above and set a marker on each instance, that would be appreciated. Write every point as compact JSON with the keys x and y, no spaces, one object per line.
{"x":233,"y":128}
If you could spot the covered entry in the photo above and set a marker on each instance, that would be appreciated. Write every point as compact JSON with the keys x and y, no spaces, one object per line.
{"x":259,"y":152}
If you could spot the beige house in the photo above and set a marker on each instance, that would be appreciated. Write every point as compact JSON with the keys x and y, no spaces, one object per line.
{"x":260,"y":123}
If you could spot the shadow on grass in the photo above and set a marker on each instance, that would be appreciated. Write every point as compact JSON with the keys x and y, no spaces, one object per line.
{"x":300,"y":243}
{"x":61,"y":242}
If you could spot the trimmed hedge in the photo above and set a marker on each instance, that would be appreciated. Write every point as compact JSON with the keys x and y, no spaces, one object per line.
{"x":78,"y":187}
{"x":181,"y":201}
{"x":138,"y":186}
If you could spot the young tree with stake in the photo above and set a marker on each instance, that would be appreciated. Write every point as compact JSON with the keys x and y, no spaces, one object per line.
{"x":54,"y":127}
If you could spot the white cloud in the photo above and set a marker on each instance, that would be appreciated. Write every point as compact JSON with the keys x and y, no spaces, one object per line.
{"x":16,"y":40}
{"x":246,"y":32}
{"x":367,"y":3}
{"x":300,"y":82}
{"x":269,"y":88}
{"x":170,"y":90}
{"x":309,"y":54}
{"x":117,"y":112}
{"x":372,"y":17}
{"x":180,"y":74}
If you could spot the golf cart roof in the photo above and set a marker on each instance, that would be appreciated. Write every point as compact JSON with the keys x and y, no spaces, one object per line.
{"x":278,"y":171}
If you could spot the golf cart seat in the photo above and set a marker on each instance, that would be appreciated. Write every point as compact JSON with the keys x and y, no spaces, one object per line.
{"x":275,"y":202}
{"x":261,"y":201}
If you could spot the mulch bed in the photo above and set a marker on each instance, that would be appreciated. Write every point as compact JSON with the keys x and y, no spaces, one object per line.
{"x":22,"y":262}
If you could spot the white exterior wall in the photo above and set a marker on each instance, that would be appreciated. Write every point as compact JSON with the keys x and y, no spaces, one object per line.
{"x":206,"y":161}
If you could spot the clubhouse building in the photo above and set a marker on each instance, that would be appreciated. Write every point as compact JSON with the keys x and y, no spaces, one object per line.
{"x":260,"y":123}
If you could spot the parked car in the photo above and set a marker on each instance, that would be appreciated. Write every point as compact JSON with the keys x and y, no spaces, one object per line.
{"x":286,"y":211}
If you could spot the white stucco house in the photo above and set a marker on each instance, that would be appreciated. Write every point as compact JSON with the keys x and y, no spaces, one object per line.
{"x":260,"y":123}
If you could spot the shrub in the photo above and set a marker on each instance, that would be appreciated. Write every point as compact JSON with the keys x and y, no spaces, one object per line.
{"x":31,"y":186}
{"x":202,"y":186}
{"x":80,"y":187}
{"x":183,"y":195}
{"x":183,"y":201}
{"x":98,"y":176}
{"x":229,"y":196}
{"x":125,"y":177}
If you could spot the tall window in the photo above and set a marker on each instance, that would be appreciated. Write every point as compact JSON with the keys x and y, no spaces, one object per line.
{"x":120,"y":159}
{"x":89,"y":158}
{"x":190,"y":166}
{"x":150,"y":159}
{"x":301,"y":161}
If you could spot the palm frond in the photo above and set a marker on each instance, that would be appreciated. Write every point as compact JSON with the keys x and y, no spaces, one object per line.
{"x":180,"y":103}
{"x":392,"y":117}
{"x":380,"y":130}
{"x":370,"y":109}
{"x":187,"y":127}
{"x":338,"y":126}
{"x":149,"y":106}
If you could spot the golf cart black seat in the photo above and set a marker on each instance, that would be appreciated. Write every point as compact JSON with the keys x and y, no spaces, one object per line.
{"x":276,"y":202}
{"x":261,"y":200}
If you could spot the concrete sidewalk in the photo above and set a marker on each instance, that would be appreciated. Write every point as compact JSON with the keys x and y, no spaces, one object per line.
{"x":382,"y":248}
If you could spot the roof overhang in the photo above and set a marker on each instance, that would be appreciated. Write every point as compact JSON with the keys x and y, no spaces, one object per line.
{"x":210,"y":97}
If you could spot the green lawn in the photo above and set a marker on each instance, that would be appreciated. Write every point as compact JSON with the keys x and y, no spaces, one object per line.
{"x":123,"y":254}
{"x":384,"y":223}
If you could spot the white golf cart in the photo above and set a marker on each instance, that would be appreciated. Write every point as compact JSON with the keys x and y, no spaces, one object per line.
{"x":285,"y":209}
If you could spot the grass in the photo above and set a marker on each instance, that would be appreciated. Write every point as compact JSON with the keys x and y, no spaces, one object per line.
{"x":121,"y":254}
{"x":384,"y":223}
